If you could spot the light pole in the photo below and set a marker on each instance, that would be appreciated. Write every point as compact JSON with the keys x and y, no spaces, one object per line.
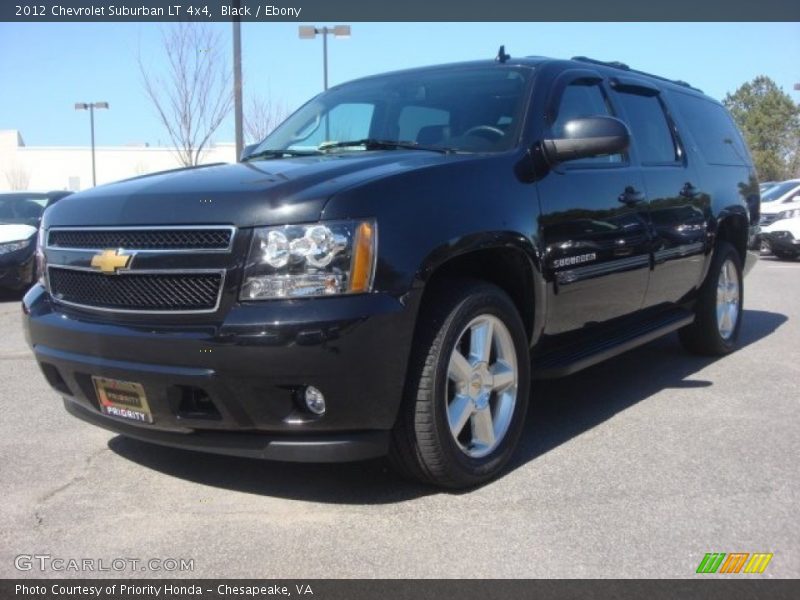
{"x":309,"y":32}
{"x":90,"y":106}
{"x":237,"y":82}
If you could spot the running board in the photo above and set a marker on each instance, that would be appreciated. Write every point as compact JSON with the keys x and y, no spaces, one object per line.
{"x":577,"y":357}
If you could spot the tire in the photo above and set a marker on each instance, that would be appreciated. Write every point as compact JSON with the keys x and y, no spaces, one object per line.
{"x":765,"y":247}
{"x":423,"y":446}
{"x":709,"y":334}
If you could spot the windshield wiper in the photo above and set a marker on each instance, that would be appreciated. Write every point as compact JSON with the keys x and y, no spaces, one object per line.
{"x":274,"y":153}
{"x":375,"y":144}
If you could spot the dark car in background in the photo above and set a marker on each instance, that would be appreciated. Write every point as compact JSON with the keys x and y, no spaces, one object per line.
{"x":20,"y":215}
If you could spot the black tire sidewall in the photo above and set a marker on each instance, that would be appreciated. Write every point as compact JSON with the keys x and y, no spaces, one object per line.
{"x":487,"y":300}
{"x":727,"y":253}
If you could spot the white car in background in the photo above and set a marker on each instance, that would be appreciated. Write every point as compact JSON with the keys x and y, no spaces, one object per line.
{"x":783,"y":237}
{"x":782,"y":201}
{"x":778,"y":199}
{"x":20,"y":215}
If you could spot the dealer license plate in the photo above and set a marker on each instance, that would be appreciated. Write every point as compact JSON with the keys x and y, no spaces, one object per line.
{"x":123,"y":399}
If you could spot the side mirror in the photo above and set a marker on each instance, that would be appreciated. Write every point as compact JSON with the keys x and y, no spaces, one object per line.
{"x":793,"y":199}
{"x":587,"y":137}
{"x":247,"y":151}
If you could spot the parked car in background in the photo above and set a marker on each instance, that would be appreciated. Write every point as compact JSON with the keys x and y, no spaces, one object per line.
{"x":783,"y":237}
{"x":20,"y":215}
{"x":781,"y":201}
{"x":775,"y":199}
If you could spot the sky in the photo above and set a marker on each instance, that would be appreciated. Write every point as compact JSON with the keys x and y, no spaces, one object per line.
{"x":46,"y":67}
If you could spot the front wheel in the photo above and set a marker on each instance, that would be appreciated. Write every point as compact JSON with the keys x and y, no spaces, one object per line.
{"x":467,"y":392}
{"x":718,"y":311}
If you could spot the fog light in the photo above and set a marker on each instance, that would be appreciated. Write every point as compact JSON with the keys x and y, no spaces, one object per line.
{"x":315,"y":401}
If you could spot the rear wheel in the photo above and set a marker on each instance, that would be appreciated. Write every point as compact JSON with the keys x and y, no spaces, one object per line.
{"x":718,"y":311}
{"x":467,"y":392}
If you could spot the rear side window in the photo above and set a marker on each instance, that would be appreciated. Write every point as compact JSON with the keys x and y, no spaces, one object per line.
{"x":578,"y":100}
{"x":650,"y":128}
{"x":712,"y":129}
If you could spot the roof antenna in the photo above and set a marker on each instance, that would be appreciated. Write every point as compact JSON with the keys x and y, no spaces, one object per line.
{"x":501,"y":55}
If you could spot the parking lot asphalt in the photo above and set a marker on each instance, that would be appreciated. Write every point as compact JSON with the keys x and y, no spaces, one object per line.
{"x":634,"y":468}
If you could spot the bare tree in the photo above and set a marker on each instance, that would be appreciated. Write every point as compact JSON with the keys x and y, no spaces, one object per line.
{"x":194,"y":94}
{"x":18,"y":177}
{"x":261,"y":117}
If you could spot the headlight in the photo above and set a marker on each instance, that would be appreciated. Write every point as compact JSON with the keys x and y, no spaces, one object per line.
{"x":788,"y":214}
{"x":321,"y":259}
{"x":8,"y":247}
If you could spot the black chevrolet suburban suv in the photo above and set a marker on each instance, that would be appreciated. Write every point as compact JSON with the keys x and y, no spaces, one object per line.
{"x":389,"y":270}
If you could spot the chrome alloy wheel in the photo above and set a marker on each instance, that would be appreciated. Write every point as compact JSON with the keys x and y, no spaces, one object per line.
{"x":728,"y":298}
{"x":481,"y":386}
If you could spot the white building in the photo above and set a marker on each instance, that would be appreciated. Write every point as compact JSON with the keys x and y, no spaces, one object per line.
{"x":45,"y":168}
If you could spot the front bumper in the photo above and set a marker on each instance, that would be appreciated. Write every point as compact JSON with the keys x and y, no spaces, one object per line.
{"x":325,"y":448}
{"x":249,"y":371}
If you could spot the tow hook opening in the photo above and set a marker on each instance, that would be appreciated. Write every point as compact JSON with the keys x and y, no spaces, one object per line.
{"x":194,"y":403}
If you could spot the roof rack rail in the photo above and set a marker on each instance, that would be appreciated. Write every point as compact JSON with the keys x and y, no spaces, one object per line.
{"x":614,"y":63}
{"x":620,"y":65}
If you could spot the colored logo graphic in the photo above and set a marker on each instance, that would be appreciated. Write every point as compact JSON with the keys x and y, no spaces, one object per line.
{"x":110,"y":261}
{"x":736,"y":562}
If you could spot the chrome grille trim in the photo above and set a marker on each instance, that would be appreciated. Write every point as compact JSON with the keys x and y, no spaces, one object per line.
{"x":144,"y":228}
{"x":221,"y":272}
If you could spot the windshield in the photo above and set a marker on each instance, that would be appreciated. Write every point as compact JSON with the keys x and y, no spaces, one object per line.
{"x":779,"y":190}
{"x":466,"y":110}
{"x":22,"y":209}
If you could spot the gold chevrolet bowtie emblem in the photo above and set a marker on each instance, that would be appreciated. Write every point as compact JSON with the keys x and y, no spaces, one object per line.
{"x":110,"y":261}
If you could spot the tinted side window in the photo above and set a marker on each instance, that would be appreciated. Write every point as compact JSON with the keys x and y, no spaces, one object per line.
{"x":649,"y":128}
{"x":712,"y":129}
{"x":582,"y":100}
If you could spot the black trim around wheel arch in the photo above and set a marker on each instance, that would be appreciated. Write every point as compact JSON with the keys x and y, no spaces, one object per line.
{"x":320,"y":449}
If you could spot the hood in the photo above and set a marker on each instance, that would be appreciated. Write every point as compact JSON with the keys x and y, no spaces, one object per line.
{"x":266,"y":192}
{"x":10,"y":232}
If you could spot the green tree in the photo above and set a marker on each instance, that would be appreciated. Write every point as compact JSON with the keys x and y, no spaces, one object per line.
{"x":770,"y":122}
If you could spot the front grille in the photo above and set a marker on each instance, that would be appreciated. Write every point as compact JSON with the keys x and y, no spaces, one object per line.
{"x":188,"y":292}
{"x":142,"y":239}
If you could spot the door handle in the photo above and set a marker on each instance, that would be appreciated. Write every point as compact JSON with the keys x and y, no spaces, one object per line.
{"x":631,"y":196}
{"x":688,"y":190}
